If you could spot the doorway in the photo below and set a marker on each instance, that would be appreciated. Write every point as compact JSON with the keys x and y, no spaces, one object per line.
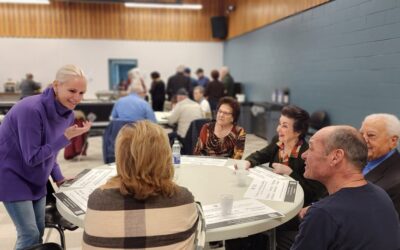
{"x":118,"y":71}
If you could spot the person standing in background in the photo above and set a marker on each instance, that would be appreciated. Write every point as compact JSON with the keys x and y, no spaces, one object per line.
{"x":32,"y":133}
{"x":28,"y":86}
{"x":228,"y":81}
{"x":176,"y":82}
{"x":193,"y":82}
{"x":202,"y":80}
{"x":214,"y":91}
{"x":157,"y":92}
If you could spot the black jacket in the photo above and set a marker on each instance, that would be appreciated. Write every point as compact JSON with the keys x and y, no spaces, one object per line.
{"x":387,"y":176}
{"x":313,"y":190}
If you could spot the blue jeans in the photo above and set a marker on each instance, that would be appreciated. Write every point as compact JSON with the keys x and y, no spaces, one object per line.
{"x":28,"y":218}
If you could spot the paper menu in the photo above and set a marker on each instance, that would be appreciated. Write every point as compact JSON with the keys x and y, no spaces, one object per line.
{"x":243,"y":211}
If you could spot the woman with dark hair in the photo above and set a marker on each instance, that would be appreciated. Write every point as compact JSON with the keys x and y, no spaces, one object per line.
{"x":214,"y":91}
{"x":285,"y":150}
{"x":157,"y":92}
{"x":223,"y":137}
{"x":284,"y":157}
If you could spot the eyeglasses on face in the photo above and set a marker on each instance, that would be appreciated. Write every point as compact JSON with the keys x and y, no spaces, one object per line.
{"x":223,"y":112}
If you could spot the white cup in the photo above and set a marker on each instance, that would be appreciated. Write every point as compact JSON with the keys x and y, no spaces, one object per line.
{"x":241,"y":176}
{"x":226,"y":204}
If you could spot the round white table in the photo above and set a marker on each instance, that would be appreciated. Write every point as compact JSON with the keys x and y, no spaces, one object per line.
{"x":207,"y":183}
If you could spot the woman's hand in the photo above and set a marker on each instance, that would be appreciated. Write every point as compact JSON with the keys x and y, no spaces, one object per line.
{"x":246,"y":164}
{"x":59,"y":183}
{"x":74,"y":130}
{"x":281,"y":169}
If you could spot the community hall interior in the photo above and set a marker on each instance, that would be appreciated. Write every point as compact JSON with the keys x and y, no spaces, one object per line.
{"x":337,"y":59}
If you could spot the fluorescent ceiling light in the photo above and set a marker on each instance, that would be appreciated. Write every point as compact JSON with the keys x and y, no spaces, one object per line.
{"x":164,"y":6}
{"x":26,"y":1}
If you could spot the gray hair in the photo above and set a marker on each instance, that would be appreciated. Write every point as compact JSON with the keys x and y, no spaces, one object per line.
{"x":180,"y":69}
{"x":69,"y":72}
{"x":391,"y":121}
{"x":199,"y":88}
{"x":352,"y":143}
{"x":136,"y":87}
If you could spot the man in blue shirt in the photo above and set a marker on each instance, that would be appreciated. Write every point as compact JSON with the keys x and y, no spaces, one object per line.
{"x":382,"y":132}
{"x":201,"y":78}
{"x":133,"y":107}
{"x":356,"y":214}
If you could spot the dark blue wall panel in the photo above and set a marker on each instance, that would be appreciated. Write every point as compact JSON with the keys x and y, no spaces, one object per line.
{"x":343,"y":57}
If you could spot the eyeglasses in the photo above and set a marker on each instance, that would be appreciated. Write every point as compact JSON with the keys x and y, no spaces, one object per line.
{"x":223,"y":112}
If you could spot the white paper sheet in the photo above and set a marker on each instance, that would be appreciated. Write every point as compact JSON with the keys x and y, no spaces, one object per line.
{"x":243,"y":211}
{"x":94,"y":178}
{"x":76,"y":199}
{"x":263,"y":173}
{"x":188,"y":160}
{"x":273,"y":189}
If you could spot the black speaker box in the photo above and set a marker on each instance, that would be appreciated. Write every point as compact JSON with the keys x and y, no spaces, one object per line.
{"x":219,"y":26}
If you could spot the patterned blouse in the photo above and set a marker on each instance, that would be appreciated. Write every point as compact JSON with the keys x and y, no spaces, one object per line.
{"x":231,"y":146}
{"x":293,"y":154}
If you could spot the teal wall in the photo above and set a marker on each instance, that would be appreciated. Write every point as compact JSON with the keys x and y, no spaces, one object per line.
{"x":342,"y":57}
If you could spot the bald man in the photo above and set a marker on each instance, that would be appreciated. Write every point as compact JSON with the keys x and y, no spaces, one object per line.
{"x":382,"y":132}
{"x":356,"y":214}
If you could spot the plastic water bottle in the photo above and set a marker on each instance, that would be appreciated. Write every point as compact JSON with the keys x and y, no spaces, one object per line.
{"x":176,"y":154}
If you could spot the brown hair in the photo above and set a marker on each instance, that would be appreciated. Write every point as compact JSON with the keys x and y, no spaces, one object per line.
{"x":144,"y":161}
{"x":301,"y":119}
{"x":233,"y":104}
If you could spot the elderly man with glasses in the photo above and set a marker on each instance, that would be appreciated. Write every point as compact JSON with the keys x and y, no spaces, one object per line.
{"x":382,"y":132}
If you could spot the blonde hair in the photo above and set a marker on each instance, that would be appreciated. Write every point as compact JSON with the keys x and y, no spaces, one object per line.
{"x":69,"y":72}
{"x":144,"y":161}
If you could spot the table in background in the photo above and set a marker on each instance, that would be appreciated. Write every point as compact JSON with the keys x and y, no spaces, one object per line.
{"x":162,"y":117}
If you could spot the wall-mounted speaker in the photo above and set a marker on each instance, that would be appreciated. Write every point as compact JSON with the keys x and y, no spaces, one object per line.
{"x":219,"y":26}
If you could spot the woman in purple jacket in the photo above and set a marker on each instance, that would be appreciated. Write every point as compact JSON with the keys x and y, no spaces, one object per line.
{"x":32,"y":133}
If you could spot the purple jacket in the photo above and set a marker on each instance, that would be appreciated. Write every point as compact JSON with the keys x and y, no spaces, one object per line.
{"x":31,"y":135}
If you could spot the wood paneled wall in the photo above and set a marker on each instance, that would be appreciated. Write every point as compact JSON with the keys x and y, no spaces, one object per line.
{"x":108,"y":21}
{"x":114,"y":21}
{"x":252,"y":14}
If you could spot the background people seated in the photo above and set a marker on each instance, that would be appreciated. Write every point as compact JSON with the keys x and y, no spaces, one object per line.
{"x":176,"y":82}
{"x":133,"y":107}
{"x":157,"y":92}
{"x":183,"y":113}
{"x":382,"y":132}
{"x":198,"y":94}
{"x":214,"y":90}
{"x":141,"y":207}
{"x":223,"y":137}
{"x":356,"y":214}
{"x":28,"y":86}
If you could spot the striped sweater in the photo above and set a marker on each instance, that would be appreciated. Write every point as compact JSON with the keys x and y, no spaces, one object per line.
{"x":114,"y":221}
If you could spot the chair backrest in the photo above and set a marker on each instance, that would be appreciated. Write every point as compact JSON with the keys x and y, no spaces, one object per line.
{"x":319,"y":119}
{"x":200,"y":237}
{"x":192,"y":134}
{"x":46,"y":246}
{"x":109,"y":136}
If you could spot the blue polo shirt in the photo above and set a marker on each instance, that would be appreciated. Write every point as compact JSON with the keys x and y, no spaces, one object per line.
{"x":132,"y":108}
